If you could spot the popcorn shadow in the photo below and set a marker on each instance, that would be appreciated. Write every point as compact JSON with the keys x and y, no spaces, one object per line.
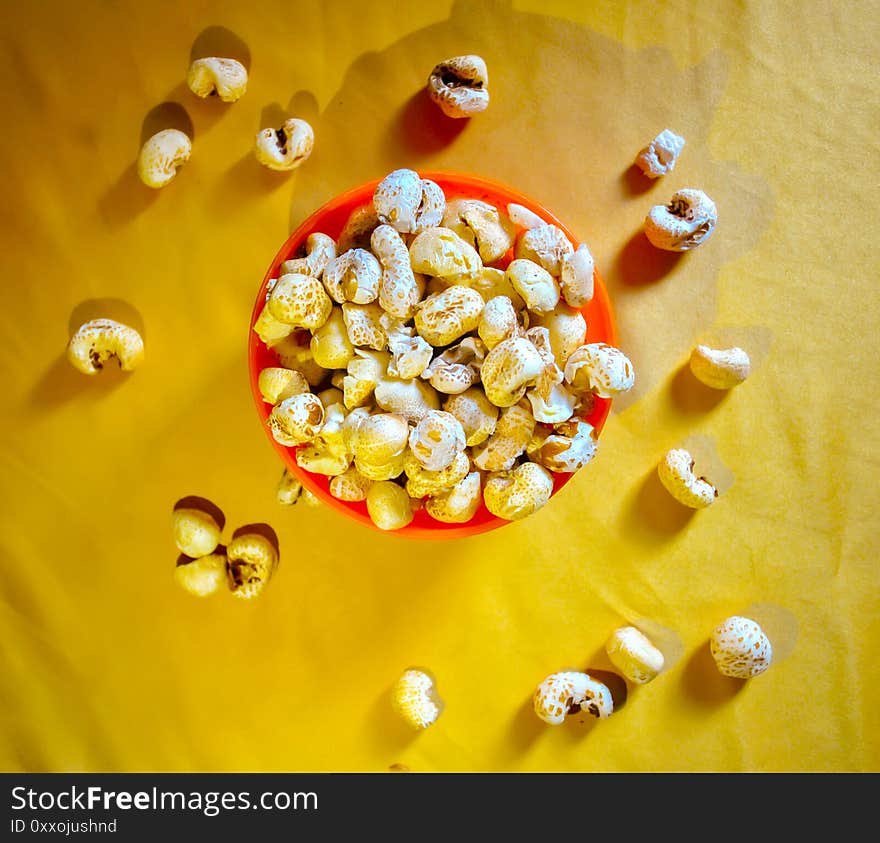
{"x":129,"y":197}
{"x":640,"y":264}
{"x":704,"y":683}
{"x":525,"y":728}
{"x":106,"y":308}
{"x":167,"y":115}
{"x":247,"y":179}
{"x":420,"y":128}
{"x":692,"y":396}
{"x":203,"y":505}
{"x":260,"y":529}
{"x":653,"y":513}
{"x":126,"y":199}
{"x":388,"y":732}
{"x":635,"y":183}
{"x":219,"y":41}
{"x":61,"y":383}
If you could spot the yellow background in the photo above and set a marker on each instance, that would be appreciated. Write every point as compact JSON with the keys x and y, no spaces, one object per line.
{"x":107,"y":665}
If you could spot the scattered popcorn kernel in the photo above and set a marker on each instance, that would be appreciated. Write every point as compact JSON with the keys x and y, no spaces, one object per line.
{"x":720,"y":368}
{"x":100,"y":340}
{"x":569,"y":692}
{"x":285,"y":148}
{"x":740,"y":648}
{"x":196,"y":533}
{"x":659,"y":156}
{"x":676,"y":472}
{"x":252,"y":561}
{"x":460,"y":86}
{"x":389,"y":505}
{"x":687,"y":221}
{"x":203,"y":576}
{"x":221,"y":77}
{"x":161,"y":156}
{"x":415,"y":699}
{"x":632,"y":653}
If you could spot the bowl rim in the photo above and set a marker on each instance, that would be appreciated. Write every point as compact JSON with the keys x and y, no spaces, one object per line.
{"x":352,"y":198}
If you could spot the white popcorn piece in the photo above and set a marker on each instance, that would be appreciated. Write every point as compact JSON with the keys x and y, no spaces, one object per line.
{"x":161,"y":156}
{"x":720,"y":368}
{"x":537,"y":287}
{"x":518,"y":493}
{"x":633,"y":654}
{"x":437,"y":440}
{"x":509,"y":369}
{"x":445,"y":317}
{"x":277,"y":383}
{"x":459,"y":503}
{"x":740,"y":648}
{"x":287,"y":147}
{"x":320,"y":251}
{"x":659,"y":156}
{"x":252,"y":560}
{"x":459,"y":86}
{"x":196,"y":532}
{"x":225,"y":78}
{"x":203,"y":576}
{"x":98,"y":341}
{"x":687,"y":221}
{"x":676,"y":471}
{"x":415,"y":699}
{"x":296,"y":420}
{"x":601,"y":369}
{"x":388,"y":505}
{"x":567,"y":692}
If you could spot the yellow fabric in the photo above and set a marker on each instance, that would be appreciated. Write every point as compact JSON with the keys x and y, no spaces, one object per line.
{"x":108,"y":665}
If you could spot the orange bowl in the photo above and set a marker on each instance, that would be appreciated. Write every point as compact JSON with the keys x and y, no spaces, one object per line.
{"x":329,"y":219}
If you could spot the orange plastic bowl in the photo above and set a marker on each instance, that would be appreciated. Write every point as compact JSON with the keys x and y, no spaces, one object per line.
{"x":330,"y":219}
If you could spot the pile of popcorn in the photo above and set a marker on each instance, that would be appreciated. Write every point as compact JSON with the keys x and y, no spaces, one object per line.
{"x":434,"y":355}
